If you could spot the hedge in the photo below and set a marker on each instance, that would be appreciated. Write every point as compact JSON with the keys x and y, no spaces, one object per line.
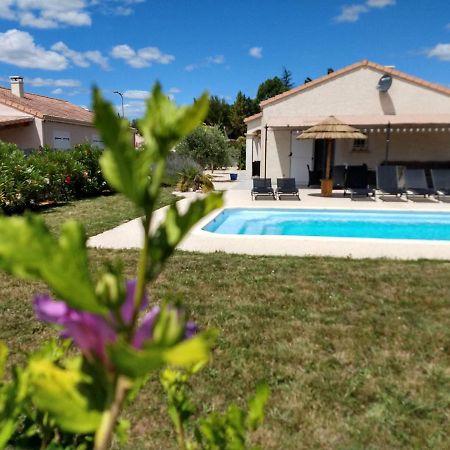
{"x":47,"y":175}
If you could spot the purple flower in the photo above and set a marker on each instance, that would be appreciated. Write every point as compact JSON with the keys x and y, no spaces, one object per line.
{"x":128,"y":305}
{"x":92,"y":333}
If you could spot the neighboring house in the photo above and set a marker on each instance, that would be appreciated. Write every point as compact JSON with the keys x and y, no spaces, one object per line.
{"x":410,"y":121}
{"x":31,"y":120}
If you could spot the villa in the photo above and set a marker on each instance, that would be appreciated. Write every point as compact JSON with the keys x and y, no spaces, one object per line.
{"x":406,"y":120}
{"x":31,"y":121}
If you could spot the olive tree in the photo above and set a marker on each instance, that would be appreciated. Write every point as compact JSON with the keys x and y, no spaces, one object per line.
{"x":207,"y":146}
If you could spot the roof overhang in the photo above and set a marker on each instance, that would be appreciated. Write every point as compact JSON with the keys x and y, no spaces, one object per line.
{"x":440,"y":120}
{"x":11,"y":121}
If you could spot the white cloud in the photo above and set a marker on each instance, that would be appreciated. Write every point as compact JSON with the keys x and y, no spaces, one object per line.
{"x":81,"y":59}
{"x":57,"y":91}
{"x":143,"y":57}
{"x":136,"y":95}
{"x":116,"y":7}
{"x":172,"y":92}
{"x":19,"y":49}
{"x":60,"y":83}
{"x":133,"y":109}
{"x":440,"y":51}
{"x":380,"y":3}
{"x":46,"y":13}
{"x":256,"y":52}
{"x":207,"y":62}
{"x":351,"y":13}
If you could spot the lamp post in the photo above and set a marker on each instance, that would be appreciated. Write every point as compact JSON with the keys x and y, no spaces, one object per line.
{"x":121,"y":97}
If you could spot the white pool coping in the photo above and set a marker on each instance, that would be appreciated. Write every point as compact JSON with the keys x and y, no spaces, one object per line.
{"x":237,"y":195}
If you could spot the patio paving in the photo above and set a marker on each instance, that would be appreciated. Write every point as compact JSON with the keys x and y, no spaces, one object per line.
{"x":237,"y":194}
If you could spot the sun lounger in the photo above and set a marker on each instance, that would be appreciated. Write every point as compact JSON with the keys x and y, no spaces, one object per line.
{"x":314,"y":176}
{"x":441,"y":182}
{"x":338,"y":175}
{"x":286,"y":186}
{"x":390,"y":180}
{"x":356,"y":182}
{"x":262,"y":186}
{"x":416,"y":183}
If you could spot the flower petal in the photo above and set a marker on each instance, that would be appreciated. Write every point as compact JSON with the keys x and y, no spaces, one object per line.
{"x":128,"y":305}
{"x":145,"y":330}
{"x":49,"y":310}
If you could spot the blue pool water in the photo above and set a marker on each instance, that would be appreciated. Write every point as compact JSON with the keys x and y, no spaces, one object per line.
{"x":336,"y":223}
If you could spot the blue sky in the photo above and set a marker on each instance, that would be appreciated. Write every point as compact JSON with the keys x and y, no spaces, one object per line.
{"x":62,"y":47}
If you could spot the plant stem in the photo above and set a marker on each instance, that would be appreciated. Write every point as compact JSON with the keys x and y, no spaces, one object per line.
{"x":104,"y":434}
{"x":142,"y":270}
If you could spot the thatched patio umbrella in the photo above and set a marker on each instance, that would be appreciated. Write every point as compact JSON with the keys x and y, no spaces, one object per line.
{"x":330,"y":129}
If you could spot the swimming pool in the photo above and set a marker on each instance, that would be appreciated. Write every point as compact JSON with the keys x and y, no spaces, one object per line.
{"x":433,"y":226}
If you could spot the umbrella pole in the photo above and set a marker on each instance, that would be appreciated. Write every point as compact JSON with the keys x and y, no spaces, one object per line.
{"x":328,"y":163}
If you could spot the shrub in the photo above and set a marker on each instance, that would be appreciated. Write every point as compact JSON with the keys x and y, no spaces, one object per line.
{"x":48,"y":175}
{"x":192,"y":177}
{"x":17,"y":180}
{"x":207,"y":146}
{"x":176,"y":163}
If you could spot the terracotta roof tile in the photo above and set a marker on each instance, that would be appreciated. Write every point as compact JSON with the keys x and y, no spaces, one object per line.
{"x":47,"y":107}
{"x":250,"y":118}
{"x":364,"y":63}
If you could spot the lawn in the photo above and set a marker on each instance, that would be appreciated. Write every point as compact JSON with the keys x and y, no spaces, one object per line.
{"x":99,"y":214}
{"x":356,"y":352}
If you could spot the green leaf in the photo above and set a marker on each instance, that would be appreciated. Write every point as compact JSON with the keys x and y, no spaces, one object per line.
{"x":29,"y":250}
{"x":137,"y":363}
{"x":191,"y":351}
{"x":164,"y":123}
{"x":174,"y":228}
{"x":66,"y":395}
{"x":12,"y":398}
{"x":125,"y":168}
{"x":3,"y":357}
{"x":256,"y":406}
{"x":138,"y":174}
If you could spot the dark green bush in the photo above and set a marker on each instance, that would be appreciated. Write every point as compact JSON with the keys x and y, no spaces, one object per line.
{"x":47,"y":175}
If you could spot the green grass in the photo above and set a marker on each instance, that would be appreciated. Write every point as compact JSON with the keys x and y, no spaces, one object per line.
{"x":100,"y":213}
{"x":356,"y":352}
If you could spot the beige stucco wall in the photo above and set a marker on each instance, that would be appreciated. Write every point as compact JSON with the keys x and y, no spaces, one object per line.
{"x":355,"y":93}
{"x":404,"y":146}
{"x":78,"y":133}
{"x":27,"y":137}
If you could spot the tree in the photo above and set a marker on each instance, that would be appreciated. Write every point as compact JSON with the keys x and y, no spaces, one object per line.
{"x":286,"y":78}
{"x":219,"y":113}
{"x":242,"y":107}
{"x":207,"y":146}
{"x":270,"y":88}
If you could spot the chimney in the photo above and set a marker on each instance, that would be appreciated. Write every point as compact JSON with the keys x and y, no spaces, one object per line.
{"x":17,"y":86}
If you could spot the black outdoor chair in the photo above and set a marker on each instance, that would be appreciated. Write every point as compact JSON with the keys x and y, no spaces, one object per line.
{"x":416,"y":183}
{"x":314,"y":177}
{"x":338,"y":175}
{"x":357,"y":182}
{"x":262,"y":186}
{"x":390,"y":180}
{"x":441,"y":182}
{"x":286,"y":186}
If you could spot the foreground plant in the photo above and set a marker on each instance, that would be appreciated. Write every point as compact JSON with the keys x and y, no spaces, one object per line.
{"x":66,"y":401}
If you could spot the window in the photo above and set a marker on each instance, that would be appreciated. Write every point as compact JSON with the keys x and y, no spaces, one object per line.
{"x":360,"y":145}
{"x":61,"y":140}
